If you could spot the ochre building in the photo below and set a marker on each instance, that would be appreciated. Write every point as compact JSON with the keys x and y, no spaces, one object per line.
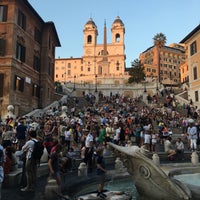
{"x":171,"y":58}
{"x":100,"y":62}
{"x":192,"y":42}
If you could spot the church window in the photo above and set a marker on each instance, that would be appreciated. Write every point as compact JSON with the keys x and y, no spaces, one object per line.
{"x":117,"y":37}
{"x":89,"y":39}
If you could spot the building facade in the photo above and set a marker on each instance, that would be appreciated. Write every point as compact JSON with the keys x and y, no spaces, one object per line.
{"x":171,"y":58}
{"x":27,"y":53}
{"x":100,"y":62}
{"x":192,"y":42}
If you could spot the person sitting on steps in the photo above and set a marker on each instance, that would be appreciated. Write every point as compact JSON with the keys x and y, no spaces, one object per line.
{"x":169,"y":148}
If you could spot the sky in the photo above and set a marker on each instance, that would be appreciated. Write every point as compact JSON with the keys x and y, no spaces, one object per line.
{"x":142,"y":19}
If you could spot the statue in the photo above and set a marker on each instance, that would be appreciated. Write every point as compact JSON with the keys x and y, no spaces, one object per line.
{"x":10,"y":109}
{"x":149,"y":178}
{"x":64,"y":114}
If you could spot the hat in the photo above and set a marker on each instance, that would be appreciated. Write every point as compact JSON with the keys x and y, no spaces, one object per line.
{"x":190,"y":121}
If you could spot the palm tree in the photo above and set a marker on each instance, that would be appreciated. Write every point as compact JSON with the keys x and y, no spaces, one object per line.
{"x":159,"y":41}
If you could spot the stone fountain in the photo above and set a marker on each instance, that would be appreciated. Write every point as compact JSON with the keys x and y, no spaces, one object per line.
{"x":151,"y":181}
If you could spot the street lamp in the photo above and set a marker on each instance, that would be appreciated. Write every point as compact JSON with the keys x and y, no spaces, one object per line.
{"x":157,"y":84}
{"x":145,"y":89}
{"x":74,"y":83}
{"x":95,"y":82}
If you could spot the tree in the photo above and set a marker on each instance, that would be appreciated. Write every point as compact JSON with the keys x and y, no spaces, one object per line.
{"x":159,"y":41}
{"x":136,"y":72}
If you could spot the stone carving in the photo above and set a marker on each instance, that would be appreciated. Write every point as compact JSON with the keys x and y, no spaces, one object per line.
{"x":64,"y":114}
{"x":10,"y":109}
{"x":148,"y":177}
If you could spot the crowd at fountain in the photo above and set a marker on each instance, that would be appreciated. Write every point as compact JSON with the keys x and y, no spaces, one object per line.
{"x":119,"y":119}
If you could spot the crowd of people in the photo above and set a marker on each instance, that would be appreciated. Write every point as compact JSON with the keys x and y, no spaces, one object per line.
{"x":119,"y":119}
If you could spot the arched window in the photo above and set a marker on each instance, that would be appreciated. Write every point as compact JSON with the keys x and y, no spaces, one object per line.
{"x":89,"y":39}
{"x":117,"y":37}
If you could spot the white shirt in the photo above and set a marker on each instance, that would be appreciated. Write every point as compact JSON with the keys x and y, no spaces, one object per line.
{"x":117,"y":134}
{"x":67,"y":135}
{"x":28,"y":148}
{"x":88,"y":140}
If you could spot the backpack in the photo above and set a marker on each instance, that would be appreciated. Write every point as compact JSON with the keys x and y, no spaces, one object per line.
{"x":37,"y":151}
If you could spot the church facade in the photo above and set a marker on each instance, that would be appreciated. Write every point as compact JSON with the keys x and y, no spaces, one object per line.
{"x":102,"y":63}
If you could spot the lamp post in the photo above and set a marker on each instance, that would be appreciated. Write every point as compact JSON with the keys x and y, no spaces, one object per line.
{"x":157,"y":84}
{"x":145,"y":89}
{"x":74,"y":84}
{"x":95,"y":82}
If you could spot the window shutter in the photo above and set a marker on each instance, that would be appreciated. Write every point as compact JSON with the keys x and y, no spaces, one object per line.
{"x":2,"y":46}
{"x":15,"y":82}
{"x":5,"y":12}
{"x":21,"y":86}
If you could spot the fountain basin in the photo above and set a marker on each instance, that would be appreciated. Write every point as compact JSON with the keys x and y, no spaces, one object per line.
{"x":154,"y":181}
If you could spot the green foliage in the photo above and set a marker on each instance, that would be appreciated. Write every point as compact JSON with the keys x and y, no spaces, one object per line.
{"x":136,"y":72}
{"x":159,"y":40}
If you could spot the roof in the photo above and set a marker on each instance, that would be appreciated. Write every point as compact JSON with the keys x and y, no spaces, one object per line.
{"x":165,"y":47}
{"x":55,"y":32}
{"x":26,"y":2}
{"x":118,"y":21}
{"x":196,"y":29}
{"x":91,"y":22}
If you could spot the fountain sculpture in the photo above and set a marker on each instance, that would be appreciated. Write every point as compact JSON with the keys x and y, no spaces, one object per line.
{"x":149,"y":178}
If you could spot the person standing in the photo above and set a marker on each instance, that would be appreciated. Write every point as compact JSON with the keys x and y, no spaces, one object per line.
{"x":67,"y":134}
{"x":30,"y":165}
{"x":192,"y":134}
{"x":101,"y":172}
{"x":102,"y":134}
{"x":89,"y":150}
{"x":21,"y":133}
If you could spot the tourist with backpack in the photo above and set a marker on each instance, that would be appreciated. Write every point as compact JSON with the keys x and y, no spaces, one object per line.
{"x":31,"y":161}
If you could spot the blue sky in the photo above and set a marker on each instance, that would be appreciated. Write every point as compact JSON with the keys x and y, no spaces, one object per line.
{"x":143,"y":19}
